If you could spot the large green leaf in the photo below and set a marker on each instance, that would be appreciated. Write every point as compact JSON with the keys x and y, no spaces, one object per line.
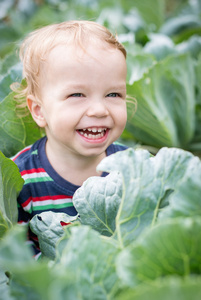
{"x":9,"y":61}
{"x":148,"y":182}
{"x":180,"y":23}
{"x":85,"y":268}
{"x":17,"y":128}
{"x":160,"y":46}
{"x":13,"y":75}
{"x":11,"y":184}
{"x":28,"y":275}
{"x":4,"y":288}
{"x":9,"y":35}
{"x":16,"y":131}
{"x":138,"y":65}
{"x":173,"y":288}
{"x":97,"y":202}
{"x":196,"y":142}
{"x":48,"y":228}
{"x":89,"y":261}
{"x":170,"y":248}
{"x":192,"y":45}
{"x":185,"y":201}
{"x":152,"y":12}
{"x":166,"y":104}
{"x":12,"y":257}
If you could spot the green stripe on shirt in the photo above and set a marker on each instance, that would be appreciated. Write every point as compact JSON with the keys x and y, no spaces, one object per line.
{"x":37,"y":179}
{"x":52,"y":206}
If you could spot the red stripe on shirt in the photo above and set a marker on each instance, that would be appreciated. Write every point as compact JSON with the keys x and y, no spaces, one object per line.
{"x":31,"y":171}
{"x":42,"y":198}
{"x":23,"y":151}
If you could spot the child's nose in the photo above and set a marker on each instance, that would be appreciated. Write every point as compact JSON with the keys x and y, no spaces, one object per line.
{"x":97,"y":108}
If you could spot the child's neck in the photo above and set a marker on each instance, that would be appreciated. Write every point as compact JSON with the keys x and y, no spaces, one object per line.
{"x":75,"y":169}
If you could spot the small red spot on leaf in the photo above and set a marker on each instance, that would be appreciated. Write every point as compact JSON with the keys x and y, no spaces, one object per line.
{"x":64,"y":223}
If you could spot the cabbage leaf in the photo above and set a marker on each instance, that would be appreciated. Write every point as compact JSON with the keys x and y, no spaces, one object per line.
{"x":11,"y":184}
{"x":166,"y":103}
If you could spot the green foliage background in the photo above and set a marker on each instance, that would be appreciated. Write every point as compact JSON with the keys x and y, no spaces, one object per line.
{"x":138,"y":236}
{"x":163,"y":41}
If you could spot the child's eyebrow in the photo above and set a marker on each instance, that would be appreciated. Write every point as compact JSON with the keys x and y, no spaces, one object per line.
{"x":83,"y":86}
{"x":121,"y":86}
{"x":118,"y":87}
{"x":74,"y":86}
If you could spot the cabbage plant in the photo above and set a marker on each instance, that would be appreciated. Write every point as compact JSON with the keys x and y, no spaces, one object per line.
{"x":137,"y":233}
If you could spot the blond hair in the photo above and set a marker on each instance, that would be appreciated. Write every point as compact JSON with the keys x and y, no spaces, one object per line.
{"x":39,"y":43}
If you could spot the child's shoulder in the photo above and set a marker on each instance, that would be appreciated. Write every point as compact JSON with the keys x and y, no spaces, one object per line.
{"x":25,"y":155}
{"x":115,"y":147}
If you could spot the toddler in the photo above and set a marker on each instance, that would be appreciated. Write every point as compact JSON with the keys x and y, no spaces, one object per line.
{"x":76,"y":90}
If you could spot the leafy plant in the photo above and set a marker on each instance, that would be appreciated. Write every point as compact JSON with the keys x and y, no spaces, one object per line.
{"x":138,"y":231}
{"x":162,"y":39}
{"x":166,"y":99}
{"x":11,"y":184}
{"x":16,"y":131}
{"x":48,"y":227}
{"x":153,"y":243}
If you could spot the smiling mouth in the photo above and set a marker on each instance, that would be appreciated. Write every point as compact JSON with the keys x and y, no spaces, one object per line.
{"x":93,"y":133}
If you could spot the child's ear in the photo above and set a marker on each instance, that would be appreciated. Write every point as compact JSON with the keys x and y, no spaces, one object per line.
{"x":36,"y":110}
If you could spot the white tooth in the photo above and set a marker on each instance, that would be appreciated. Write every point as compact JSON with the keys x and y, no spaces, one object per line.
{"x":93,"y":136}
{"x":84,"y":129}
{"x":89,"y":129}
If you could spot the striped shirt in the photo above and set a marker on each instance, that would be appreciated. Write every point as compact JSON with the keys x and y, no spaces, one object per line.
{"x":44,"y":189}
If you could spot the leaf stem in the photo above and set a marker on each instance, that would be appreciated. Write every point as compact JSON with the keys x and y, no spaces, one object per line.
{"x":118,"y":229}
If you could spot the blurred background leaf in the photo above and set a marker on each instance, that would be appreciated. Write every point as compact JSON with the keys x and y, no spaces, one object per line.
{"x":152,"y":32}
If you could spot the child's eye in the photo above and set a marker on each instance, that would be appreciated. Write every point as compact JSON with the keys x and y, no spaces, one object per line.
{"x":77,"y":95}
{"x":114,"y":95}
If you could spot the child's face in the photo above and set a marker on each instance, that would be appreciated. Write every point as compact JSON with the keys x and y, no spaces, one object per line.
{"x":82,"y":98}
